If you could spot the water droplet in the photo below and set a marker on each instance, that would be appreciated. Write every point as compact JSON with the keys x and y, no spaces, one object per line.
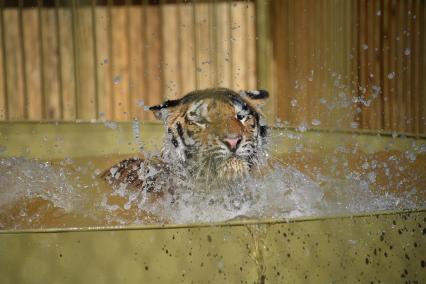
{"x":410,"y":155}
{"x":407,"y":51}
{"x":391,"y":75}
{"x":140,"y":103}
{"x":379,"y":13}
{"x":302,"y":127}
{"x":111,"y":124}
{"x":315,"y":122}
{"x":311,"y":76}
{"x":371,"y":177}
{"x":116,"y":80}
{"x":293,"y":102}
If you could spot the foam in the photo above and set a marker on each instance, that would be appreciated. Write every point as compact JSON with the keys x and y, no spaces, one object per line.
{"x":284,"y":192}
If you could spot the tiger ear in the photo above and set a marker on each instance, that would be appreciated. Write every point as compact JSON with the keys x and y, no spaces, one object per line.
{"x":257,"y":98}
{"x":162,"y":111}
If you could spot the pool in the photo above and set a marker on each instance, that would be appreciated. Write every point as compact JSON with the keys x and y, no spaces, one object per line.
{"x":350,"y":239}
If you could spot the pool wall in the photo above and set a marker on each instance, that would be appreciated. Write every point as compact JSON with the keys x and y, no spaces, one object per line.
{"x":382,"y":248}
{"x":377,"y":248}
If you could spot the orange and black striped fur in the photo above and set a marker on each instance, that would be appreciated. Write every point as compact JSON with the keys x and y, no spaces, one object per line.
{"x":214,"y":137}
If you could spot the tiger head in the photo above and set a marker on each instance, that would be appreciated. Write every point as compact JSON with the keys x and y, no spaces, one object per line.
{"x":215,"y":133}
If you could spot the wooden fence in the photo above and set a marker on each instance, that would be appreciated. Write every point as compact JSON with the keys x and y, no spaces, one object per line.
{"x":334,"y":64}
{"x":67,"y":60}
{"x":350,"y":64}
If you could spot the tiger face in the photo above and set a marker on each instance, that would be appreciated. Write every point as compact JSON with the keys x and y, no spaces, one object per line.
{"x":217,"y":134}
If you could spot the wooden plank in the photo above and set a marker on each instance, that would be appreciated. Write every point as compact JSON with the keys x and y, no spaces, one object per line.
{"x":376,"y":61}
{"x":321,"y":75}
{"x":390,"y":76}
{"x":363,"y":41}
{"x":214,"y":43}
{"x":387,"y":123}
{"x":224,"y":56}
{"x":136,"y":62}
{"x":66,"y":53}
{"x":280,"y":13}
{"x":154,"y":92}
{"x":422,"y":67}
{"x":367,"y":49}
{"x":342,"y":115}
{"x":405,"y":68}
{"x":346,"y":112}
{"x":311,"y":92}
{"x":145,"y":79}
{"x":291,"y":62}
{"x":414,"y":56}
{"x":264,"y":54}
{"x":331,"y":96}
{"x":103,"y":63}
{"x":171,"y":68}
{"x":23,"y":61}
{"x":203,"y":45}
{"x":187,"y":56}
{"x":314,"y":90}
{"x":50,"y":64}
{"x":13,"y":64}
{"x":131,"y":108}
{"x":85,"y":64}
{"x":95,"y":60}
{"x":251,"y":46}
{"x":3,"y":89}
{"x":239,"y":49}
{"x":347,"y":20}
{"x":353,"y":55}
{"x":301,"y":64}
{"x":58,"y":43}
{"x":400,"y":19}
{"x":32,"y":63}
{"x":120,"y":63}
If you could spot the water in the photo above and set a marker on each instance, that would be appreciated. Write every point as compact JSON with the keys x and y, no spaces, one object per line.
{"x":34,"y":179}
{"x":303,"y":182}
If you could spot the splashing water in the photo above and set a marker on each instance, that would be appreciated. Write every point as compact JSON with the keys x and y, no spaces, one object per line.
{"x":283,"y":192}
{"x":31,"y":178}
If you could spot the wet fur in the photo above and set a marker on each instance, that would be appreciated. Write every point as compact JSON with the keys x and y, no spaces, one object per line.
{"x":195,"y":150}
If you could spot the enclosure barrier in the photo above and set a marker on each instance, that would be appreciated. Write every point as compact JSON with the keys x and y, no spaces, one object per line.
{"x":330,"y":63}
{"x":382,"y":248}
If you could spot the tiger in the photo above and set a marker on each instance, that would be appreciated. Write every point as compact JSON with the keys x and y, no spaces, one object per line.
{"x":214,"y":138}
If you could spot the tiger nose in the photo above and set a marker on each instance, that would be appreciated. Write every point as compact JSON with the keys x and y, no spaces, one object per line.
{"x":232,"y":143}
